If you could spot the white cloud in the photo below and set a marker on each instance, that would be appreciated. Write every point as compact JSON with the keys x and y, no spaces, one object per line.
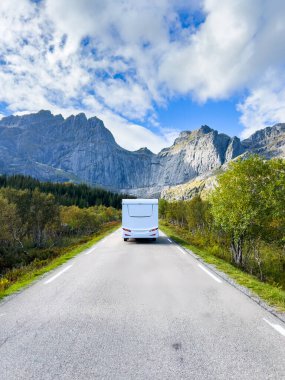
{"x":46,"y":67}
{"x":239,"y":43}
{"x":138,"y":55}
{"x":128,"y":97}
{"x":231,"y":49}
{"x":265,"y":105}
{"x":129,"y":135}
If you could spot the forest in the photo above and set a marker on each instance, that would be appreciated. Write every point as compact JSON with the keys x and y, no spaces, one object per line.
{"x":66,"y":194}
{"x":41,"y":221}
{"x":242,"y":220}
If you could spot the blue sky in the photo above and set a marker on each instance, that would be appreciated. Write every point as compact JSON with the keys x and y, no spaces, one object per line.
{"x":147,"y":69}
{"x":186,"y":114}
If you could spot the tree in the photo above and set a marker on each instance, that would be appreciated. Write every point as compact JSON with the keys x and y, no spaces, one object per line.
{"x":35,"y":209}
{"x":9,"y":221}
{"x":162,"y":206}
{"x":43,"y":212}
{"x":79,"y":220}
{"x":248,"y":198}
{"x":10,"y":232}
{"x":197,"y":214}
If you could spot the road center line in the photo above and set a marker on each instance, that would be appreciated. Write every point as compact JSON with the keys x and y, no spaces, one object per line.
{"x":169,"y":240}
{"x":182,"y":250}
{"x":209,"y":273}
{"x":58,"y":274}
{"x":275,"y":326}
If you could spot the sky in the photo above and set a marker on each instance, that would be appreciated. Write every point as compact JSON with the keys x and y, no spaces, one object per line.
{"x":148,"y":69}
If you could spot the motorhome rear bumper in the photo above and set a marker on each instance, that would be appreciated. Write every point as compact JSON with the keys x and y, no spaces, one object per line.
{"x":140,"y":234}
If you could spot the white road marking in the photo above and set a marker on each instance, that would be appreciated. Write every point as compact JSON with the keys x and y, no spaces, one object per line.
{"x":182,"y":250}
{"x":275,"y":326}
{"x":58,"y":274}
{"x":90,"y":251}
{"x":209,"y":273}
{"x":2,"y":315}
{"x":169,"y":240}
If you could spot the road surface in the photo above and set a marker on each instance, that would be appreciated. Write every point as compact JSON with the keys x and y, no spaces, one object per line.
{"x":129,"y":310}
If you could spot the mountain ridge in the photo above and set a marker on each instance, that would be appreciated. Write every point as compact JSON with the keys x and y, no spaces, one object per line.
{"x":80,"y":149}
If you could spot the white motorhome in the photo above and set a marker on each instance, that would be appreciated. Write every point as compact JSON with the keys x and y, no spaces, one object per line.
{"x":140,"y":219}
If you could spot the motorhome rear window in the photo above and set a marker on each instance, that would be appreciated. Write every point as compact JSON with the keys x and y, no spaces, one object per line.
{"x":140,"y":210}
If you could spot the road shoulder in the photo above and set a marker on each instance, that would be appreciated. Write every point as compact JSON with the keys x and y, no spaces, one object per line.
{"x":233,"y":276}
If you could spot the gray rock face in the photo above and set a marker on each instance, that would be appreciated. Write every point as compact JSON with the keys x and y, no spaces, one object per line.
{"x":78,"y":149}
{"x":192,"y":154}
{"x":268,"y":142}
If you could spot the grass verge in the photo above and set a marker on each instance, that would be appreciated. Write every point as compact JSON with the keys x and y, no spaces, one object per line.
{"x":272,"y":295}
{"x":30,"y":273}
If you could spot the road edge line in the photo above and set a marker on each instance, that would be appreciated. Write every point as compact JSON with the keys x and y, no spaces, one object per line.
{"x":37,"y":278}
{"x":231,"y":282}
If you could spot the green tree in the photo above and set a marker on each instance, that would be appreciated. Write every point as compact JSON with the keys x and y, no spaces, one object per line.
{"x":247,"y":200}
{"x":162,"y":206}
{"x":10,"y":232}
{"x":9,"y":222}
{"x":79,"y":220}
{"x":197,"y":214}
{"x":43,"y":213}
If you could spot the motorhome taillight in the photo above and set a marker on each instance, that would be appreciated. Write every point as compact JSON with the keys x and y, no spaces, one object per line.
{"x":125,"y":229}
{"x":154,"y":229}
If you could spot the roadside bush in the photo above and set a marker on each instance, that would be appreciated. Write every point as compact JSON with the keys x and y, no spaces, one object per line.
{"x":34,"y":228}
{"x":244,"y":220}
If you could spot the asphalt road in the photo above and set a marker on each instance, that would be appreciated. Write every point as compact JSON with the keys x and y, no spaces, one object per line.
{"x":137,"y":311}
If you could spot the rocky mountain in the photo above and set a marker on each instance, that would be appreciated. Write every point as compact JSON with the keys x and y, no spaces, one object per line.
{"x":268,"y":142}
{"x":52,"y":148}
{"x":78,"y":149}
{"x":192,"y":154}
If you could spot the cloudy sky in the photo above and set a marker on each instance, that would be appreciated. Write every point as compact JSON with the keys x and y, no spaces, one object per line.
{"x":147,"y":68}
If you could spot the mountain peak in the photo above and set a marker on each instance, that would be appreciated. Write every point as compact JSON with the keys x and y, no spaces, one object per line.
{"x":205,"y":129}
{"x":186,"y":136}
{"x":81,"y":117}
{"x":38,"y":116}
{"x":101,"y":131}
{"x":24,"y":121}
{"x":43,"y":113}
{"x":268,"y":142}
{"x":94,"y":120}
{"x":144,"y":150}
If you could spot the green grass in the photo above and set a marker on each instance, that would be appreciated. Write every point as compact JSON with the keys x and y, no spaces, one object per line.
{"x":272,"y":295}
{"x":29,"y":273}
